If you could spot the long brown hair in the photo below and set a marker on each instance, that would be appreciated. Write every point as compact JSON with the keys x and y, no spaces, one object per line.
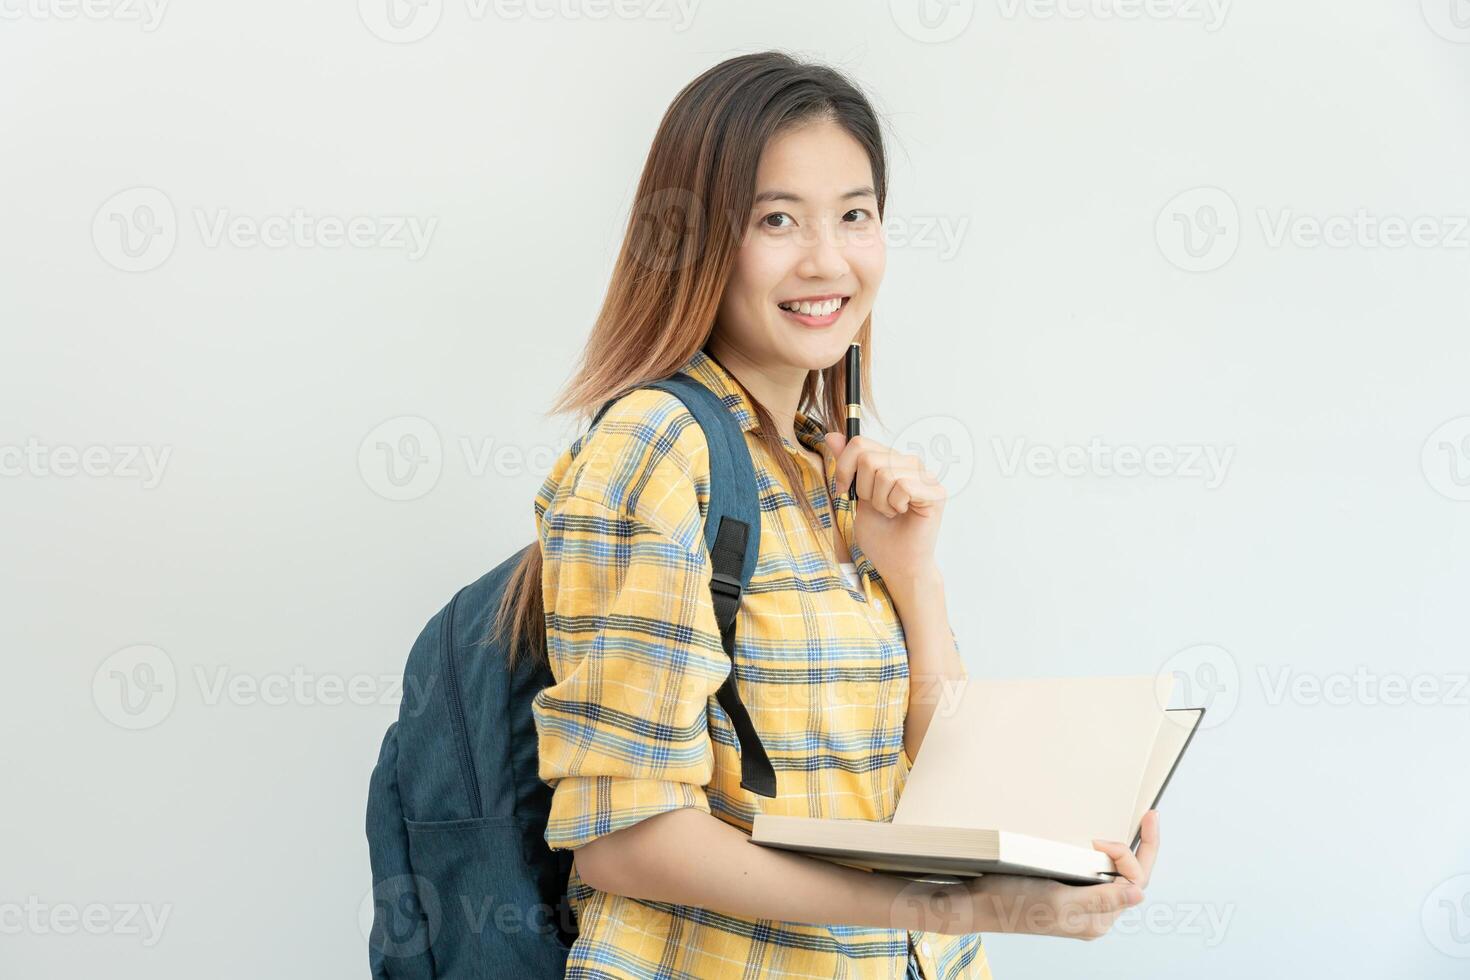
{"x":687,"y":224}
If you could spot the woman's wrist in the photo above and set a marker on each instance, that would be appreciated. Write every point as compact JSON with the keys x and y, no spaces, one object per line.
{"x":947,"y":909}
{"x":915,"y":586}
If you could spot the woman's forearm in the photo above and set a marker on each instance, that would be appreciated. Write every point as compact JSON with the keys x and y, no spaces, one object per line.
{"x":688,"y":857}
{"x":935,"y":665}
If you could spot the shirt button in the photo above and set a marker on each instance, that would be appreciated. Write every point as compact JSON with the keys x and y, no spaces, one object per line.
{"x":924,"y":948}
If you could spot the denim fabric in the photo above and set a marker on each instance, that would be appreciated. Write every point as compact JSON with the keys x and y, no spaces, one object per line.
{"x":463,"y":882}
{"x":465,"y":886}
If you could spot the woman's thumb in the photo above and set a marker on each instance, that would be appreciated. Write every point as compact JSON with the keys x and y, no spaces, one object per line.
{"x":835,"y":441}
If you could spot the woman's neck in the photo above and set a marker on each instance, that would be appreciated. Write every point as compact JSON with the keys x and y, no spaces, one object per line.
{"x":778,"y":389}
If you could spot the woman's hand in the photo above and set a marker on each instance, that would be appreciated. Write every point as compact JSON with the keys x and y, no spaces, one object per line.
{"x":899,"y":507}
{"x":1050,"y":908}
{"x":1012,"y":903}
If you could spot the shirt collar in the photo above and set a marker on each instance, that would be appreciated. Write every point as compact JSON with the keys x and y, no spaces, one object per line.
{"x":710,"y":373}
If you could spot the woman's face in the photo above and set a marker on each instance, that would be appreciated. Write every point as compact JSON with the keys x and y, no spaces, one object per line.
{"x":813,"y":235}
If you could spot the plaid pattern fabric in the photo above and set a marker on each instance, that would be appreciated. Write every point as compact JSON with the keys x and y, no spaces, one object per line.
{"x":631,"y":728}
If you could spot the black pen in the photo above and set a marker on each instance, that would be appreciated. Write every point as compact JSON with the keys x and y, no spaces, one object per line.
{"x":854,"y":402}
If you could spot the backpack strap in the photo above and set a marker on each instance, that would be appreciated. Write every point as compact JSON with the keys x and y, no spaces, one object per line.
{"x":732,"y":535}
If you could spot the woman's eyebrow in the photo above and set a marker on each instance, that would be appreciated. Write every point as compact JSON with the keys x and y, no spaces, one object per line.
{"x":776,"y":195}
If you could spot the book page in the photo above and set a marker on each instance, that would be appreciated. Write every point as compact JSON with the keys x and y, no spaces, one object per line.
{"x":1057,"y":758}
{"x":1178,"y":725}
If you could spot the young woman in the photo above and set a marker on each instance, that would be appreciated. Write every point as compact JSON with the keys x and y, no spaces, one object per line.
{"x":751,"y":262}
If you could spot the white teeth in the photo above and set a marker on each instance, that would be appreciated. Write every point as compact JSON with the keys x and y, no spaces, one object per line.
{"x":813,"y":309}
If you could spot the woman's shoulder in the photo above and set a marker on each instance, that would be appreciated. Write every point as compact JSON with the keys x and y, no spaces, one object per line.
{"x":646,"y":459}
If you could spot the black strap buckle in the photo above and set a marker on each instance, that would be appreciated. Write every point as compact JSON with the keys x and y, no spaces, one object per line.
{"x":725,"y":585}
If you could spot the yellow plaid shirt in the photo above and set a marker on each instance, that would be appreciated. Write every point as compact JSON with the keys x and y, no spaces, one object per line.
{"x":631,"y":728}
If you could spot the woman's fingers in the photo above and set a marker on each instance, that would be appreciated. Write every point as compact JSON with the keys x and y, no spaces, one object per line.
{"x":1111,"y":898}
{"x":1137,"y":868}
{"x":884,"y":482}
{"x":1091,"y":910}
{"x":1148,"y":845}
{"x":898,"y":487}
{"x":849,"y":460}
{"x":1049,"y":907}
{"x":922,"y":490}
{"x":891,"y":481}
{"x":898,"y":495}
{"x":1123,"y":859}
{"x":860,"y":460}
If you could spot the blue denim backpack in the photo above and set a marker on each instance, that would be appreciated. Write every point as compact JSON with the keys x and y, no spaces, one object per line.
{"x":464,"y":885}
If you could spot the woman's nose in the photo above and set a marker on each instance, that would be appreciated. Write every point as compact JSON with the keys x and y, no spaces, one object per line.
{"x":822,"y":257}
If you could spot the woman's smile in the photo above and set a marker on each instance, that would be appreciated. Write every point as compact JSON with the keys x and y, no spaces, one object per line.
{"x":815,"y":311}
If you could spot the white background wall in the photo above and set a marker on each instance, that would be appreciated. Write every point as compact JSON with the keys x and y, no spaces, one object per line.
{"x":1047,"y":165}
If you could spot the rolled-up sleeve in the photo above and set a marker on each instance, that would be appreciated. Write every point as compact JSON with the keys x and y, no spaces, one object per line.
{"x":635,"y":655}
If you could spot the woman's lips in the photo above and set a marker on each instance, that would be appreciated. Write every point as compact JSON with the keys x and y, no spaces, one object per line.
{"x":816,"y":321}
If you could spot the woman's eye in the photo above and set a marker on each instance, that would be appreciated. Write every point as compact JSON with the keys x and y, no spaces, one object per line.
{"x":775,"y":219}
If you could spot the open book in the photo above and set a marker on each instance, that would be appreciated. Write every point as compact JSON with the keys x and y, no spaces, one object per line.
{"x":1016,"y":777}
